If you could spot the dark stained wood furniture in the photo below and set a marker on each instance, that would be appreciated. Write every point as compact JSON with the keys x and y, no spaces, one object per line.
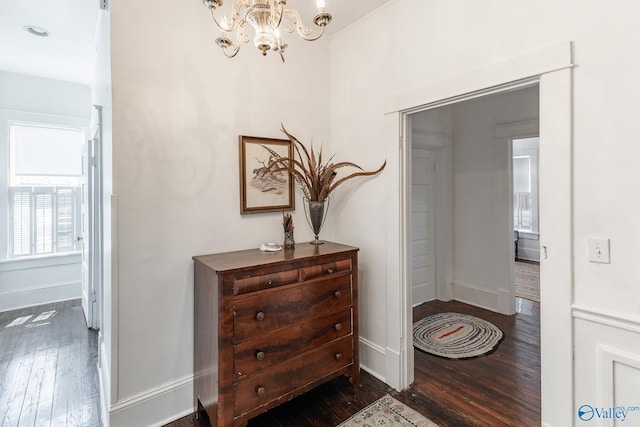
{"x":271,"y":325}
{"x":499,"y":389}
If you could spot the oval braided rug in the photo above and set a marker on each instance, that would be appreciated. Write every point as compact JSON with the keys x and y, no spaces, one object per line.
{"x":456,"y":335}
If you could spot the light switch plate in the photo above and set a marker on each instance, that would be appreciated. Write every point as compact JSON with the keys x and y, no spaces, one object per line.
{"x":598,"y":250}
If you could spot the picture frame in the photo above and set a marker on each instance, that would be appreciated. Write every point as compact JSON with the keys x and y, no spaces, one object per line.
{"x":261,"y":192}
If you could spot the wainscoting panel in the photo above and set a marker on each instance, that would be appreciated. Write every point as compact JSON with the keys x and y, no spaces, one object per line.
{"x":607,"y":364}
{"x":619,"y":380}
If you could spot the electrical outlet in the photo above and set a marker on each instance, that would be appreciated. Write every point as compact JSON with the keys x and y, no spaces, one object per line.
{"x":598,"y":250}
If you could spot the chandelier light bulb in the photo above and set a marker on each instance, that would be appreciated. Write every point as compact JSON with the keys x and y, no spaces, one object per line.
{"x":264,"y":18}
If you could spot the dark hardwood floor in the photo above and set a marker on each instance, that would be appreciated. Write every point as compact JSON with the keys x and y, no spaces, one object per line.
{"x":500,"y":389}
{"x":48,"y":374}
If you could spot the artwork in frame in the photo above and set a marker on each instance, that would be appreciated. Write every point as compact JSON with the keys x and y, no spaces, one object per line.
{"x":261,"y":191}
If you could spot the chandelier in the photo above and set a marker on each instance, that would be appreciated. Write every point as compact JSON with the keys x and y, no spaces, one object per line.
{"x":266,"y":17}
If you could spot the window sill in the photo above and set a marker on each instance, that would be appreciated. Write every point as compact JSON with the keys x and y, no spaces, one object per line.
{"x":40,"y":261}
{"x":528,"y":235}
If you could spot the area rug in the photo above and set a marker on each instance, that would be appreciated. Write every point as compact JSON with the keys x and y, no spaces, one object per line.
{"x":387,"y":412}
{"x":527,"y":278}
{"x":456,"y":335}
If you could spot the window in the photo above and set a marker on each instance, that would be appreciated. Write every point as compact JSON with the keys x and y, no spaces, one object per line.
{"x":45,"y":173}
{"x":525,"y":184}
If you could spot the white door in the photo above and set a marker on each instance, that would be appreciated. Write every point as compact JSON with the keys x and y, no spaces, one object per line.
{"x":85,"y":237}
{"x":423,"y":268}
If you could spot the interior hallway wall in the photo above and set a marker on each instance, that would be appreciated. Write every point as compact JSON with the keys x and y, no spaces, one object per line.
{"x":482,"y":205}
{"x":408,"y":44}
{"x":178,"y":107}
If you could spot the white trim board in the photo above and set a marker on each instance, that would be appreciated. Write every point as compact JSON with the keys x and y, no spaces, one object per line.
{"x":550,"y":68}
{"x":38,"y":295}
{"x":615,"y":320}
{"x":489,"y":79}
{"x":155,"y":407}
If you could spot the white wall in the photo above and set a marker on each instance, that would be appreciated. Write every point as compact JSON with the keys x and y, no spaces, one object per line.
{"x":433,"y":129}
{"x":409,"y":44}
{"x":175,"y":159}
{"x":482,"y":205}
{"x":26,"y":98}
{"x":178,"y":108}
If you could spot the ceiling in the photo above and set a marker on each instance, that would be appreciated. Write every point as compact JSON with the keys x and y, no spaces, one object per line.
{"x":68,"y":52}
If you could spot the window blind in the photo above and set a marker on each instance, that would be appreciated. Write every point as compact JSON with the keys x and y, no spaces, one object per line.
{"x":21,"y":222}
{"x":44,"y":220}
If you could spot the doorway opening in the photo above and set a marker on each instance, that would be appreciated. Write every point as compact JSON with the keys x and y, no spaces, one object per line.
{"x":461,"y":218}
{"x":461,"y":232}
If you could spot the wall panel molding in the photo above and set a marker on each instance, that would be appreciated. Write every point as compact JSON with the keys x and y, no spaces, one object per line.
{"x":607,"y":359}
{"x":619,"y":321}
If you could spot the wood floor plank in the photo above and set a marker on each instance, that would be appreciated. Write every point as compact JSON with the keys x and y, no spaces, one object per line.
{"x":45,"y":401}
{"x":48,"y":374}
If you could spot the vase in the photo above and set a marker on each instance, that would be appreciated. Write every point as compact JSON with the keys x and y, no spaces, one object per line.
{"x":316,"y":213}
{"x":288,"y":239}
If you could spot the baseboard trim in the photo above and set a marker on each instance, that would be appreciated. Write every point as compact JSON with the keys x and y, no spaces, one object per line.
{"x":103,"y":380}
{"x":155,"y":407}
{"x":475,"y":295}
{"x":38,"y":295}
{"x":373,"y":373}
{"x":528,"y":255}
{"x":372,"y":358}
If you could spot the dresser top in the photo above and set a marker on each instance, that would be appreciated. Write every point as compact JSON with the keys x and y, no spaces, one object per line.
{"x":255,"y":257}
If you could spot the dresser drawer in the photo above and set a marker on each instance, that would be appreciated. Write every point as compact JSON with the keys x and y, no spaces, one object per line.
{"x":259,"y":390}
{"x":309,"y":273}
{"x":266,"y":312}
{"x":317,"y":332}
{"x":326,"y":296}
{"x":268,"y":350}
{"x":255,"y":283}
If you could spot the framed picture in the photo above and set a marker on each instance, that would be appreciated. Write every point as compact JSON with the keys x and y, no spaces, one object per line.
{"x":261,"y":191}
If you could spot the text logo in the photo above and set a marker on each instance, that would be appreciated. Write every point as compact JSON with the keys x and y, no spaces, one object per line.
{"x":588,"y":412}
{"x":585,"y":412}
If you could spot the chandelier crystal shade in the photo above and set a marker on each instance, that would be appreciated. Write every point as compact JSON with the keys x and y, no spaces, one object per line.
{"x":266,"y":17}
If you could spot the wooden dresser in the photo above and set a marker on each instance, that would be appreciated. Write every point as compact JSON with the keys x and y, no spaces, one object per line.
{"x":269,"y":326}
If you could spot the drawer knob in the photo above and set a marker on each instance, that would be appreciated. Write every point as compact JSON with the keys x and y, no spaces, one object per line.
{"x":338,"y":356}
{"x":260,"y":355}
{"x":260,"y":316}
{"x":270,"y":282}
{"x":337,"y":294}
{"x":331,"y":271}
{"x":261,"y":391}
{"x":338,"y":326}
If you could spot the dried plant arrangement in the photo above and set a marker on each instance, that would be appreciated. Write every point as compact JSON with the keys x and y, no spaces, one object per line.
{"x":315,"y":178}
{"x":287,"y":222}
